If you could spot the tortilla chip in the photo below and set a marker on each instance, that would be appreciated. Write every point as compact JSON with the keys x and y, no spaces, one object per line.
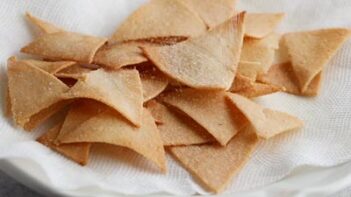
{"x":159,"y":18}
{"x":65,"y":46}
{"x":213,"y":165}
{"x":258,"y":89}
{"x":311,"y":50}
{"x":121,"y":90}
{"x":259,"y":25}
{"x":205,"y":62}
{"x":249,"y":69}
{"x":210,"y":110}
{"x":111,"y":128}
{"x":153,"y":82}
{"x":26,"y":82}
{"x":44,"y":27}
{"x":74,"y":71}
{"x":159,"y":41}
{"x":80,"y":111}
{"x":241,"y":82}
{"x":211,"y":12}
{"x":119,"y":55}
{"x":281,"y":55}
{"x":78,"y":152}
{"x":50,"y":67}
{"x":258,"y":51}
{"x":267,"y":122}
{"x":8,"y":103}
{"x":176,"y":128}
{"x":314,"y":87}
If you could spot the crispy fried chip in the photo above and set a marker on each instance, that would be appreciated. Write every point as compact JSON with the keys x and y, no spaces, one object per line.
{"x":283,"y":76}
{"x":74,"y":71}
{"x":267,"y":122}
{"x":118,"y":55}
{"x":154,"y":82}
{"x":44,"y":27}
{"x":205,"y":62}
{"x":121,"y":90}
{"x":65,"y":46}
{"x":258,"y":89}
{"x":159,"y":18}
{"x":177,"y":129}
{"x":210,"y":110}
{"x":249,"y":69}
{"x":111,"y":128}
{"x":211,"y":12}
{"x":215,"y":165}
{"x":258,"y":51}
{"x":81,"y":111}
{"x":7,"y":104}
{"x":311,"y":50}
{"x":259,"y":25}
{"x":241,"y":82}
{"x":78,"y":152}
{"x":26,"y":82}
{"x":50,"y":67}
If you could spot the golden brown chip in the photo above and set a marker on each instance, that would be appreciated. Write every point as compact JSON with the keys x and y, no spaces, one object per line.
{"x":310,"y":51}
{"x":153,"y":82}
{"x":267,"y":122}
{"x":65,"y":46}
{"x":44,"y":27}
{"x":80,"y":111}
{"x":50,"y":67}
{"x":8,"y":103}
{"x":259,"y":25}
{"x":283,"y":76}
{"x":118,"y":55}
{"x":210,"y":110}
{"x":78,"y":152}
{"x":176,"y":128}
{"x":211,"y":12}
{"x":111,"y":128}
{"x":159,"y":18}
{"x":249,"y":69}
{"x":74,"y":71}
{"x":258,"y":89}
{"x":26,"y":83}
{"x":241,"y":82}
{"x":216,"y":165}
{"x":205,"y":62}
{"x":258,"y":51}
{"x":121,"y":90}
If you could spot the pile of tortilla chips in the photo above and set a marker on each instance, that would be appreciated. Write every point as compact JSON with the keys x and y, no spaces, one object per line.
{"x":176,"y":75}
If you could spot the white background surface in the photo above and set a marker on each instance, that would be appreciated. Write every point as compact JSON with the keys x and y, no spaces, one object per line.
{"x":323,"y":142}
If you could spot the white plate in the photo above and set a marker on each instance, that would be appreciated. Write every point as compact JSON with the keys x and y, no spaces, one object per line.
{"x":305,"y":181}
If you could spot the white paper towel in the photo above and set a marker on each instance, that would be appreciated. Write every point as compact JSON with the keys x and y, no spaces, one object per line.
{"x":323,"y":142}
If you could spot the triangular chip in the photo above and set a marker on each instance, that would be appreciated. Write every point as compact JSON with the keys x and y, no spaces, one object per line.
{"x":311,"y":50}
{"x":159,"y":18}
{"x":78,"y":152}
{"x":241,"y":82}
{"x":111,"y":128}
{"x":215,"y":165}
{"x":176,"y":128}
{"x":258,"y":51}
{"x":267,"y":122}
{"x":50,"y":67}
{"x":26,"y":82}
{"x":121,"y":90}
{"x":211,"y":12}
{"x":205,"y":62}
{"x":259,"y":25}
{"x":258,"y":89}
{"x":44,"y":27}
{"x":65,"y":46}
{"x":283,"y":76}
{"x":74,"y":71}
{"x":210,"y":110}
{"x":153,"y":82}
{"x":118,"y":55}
{"x":80,"y":111}
{"x":249,"y":69}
